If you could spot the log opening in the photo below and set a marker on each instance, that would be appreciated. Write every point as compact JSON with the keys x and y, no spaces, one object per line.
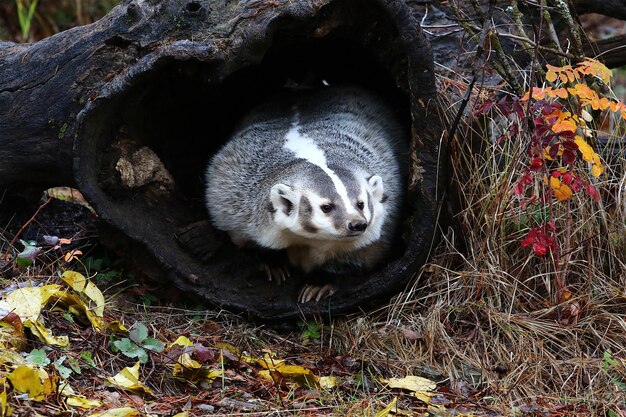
{"x":143,"y":144}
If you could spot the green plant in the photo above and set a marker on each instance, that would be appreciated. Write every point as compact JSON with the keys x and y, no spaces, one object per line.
{"x":25,"y":14}
{"x":137,"y":342}
{"x":310,"y":330}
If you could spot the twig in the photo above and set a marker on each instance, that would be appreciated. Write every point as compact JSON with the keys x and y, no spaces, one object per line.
{"x":6,"y":254}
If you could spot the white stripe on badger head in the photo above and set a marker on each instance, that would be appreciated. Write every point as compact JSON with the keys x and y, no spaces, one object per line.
{"x":305,"y":148}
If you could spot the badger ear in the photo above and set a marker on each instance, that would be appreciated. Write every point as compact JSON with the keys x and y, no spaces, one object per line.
{"x":376,"y":186}
{"x":285,"y":201}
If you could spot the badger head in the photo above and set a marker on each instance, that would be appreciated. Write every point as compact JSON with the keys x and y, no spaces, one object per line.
{"x":330,"y":205}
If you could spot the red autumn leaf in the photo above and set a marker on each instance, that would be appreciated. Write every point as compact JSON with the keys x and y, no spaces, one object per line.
{"x":593,"y":193}
{"x":540,"y":248}
{"x":567,"y":178}
{"x":541,"y":242}
{"x":535,"y":164}
{"x":570,"y":144}
{"x":576,"y":184}
{"x":568,"y":157}
{"x":554,"y":150}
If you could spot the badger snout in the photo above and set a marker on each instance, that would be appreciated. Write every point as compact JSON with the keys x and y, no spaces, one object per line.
{"x":357,"y":226}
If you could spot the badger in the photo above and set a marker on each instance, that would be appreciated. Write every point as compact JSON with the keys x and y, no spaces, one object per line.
{"x":318,"y":175}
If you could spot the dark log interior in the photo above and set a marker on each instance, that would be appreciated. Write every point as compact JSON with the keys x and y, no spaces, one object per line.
{"x":175,"y":106}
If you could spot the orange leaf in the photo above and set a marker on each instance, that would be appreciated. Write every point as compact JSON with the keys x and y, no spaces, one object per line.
{"x":592,"y":67}
{"x":561,"y":92}
{"x":561,"y":191}
{"x":551,"y":76}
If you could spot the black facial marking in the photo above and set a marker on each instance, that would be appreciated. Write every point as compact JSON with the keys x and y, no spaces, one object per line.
{"x":385,"y":198}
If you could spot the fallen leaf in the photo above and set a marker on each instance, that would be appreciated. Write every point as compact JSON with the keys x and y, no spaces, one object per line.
{"x":45,"y":335}
{"x":192,"y":371}
{"x":117,"y":412}
{"x":75,"y":280}
{"x":82,"y":285}
{"x":298,"y":375}
{"x":32,"y":381}
{"x":128,"y":379}
{"x":117,"y":327}
{"x":82,"y":402}
{"x":385,"y":411}
{"x":327,"y":382}
{"x":411,"y":383}
{"x":181,"y":341}
{"x":5,"y":409}
{"x":27,"y":302}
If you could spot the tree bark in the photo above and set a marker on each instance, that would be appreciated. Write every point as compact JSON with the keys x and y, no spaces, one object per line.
{"x":612,"y":8}
{"x":130,"y":108}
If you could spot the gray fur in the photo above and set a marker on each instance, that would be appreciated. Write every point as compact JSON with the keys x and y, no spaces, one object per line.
{"x":360,"y":138}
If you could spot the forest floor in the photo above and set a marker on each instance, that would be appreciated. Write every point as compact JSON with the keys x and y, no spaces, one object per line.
{"x":118,"y":343}
{"x":478,"y":333}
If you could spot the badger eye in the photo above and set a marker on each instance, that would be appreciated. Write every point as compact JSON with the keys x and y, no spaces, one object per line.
{"x":360,"y":205}
{"x":326,"y":208}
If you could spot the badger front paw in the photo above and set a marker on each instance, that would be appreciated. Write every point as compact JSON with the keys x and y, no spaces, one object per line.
{"x":276,"y":273}
{"x":315,"y":292}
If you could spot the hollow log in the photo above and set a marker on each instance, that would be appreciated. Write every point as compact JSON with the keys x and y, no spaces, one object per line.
{"x":129,"y":110}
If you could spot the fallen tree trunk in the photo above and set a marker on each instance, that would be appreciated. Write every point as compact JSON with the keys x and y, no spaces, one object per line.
{"x":130,"y":108}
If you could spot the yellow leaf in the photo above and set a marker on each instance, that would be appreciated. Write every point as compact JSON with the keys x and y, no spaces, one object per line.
{"x":424,"y":397}
{"x":75,"y":303}
{"x":270,"y":362}
{"x":117,"y":412}
{"x":182,"y":414}
{"x":327,"y":382}
{"x":227,"y":346}
{"x":75,"y":280}
{"x":81,"y":285}
{"x":26,"y":379}
{"x":45,"y":335}
{"x":27,"y":302}
{"x":411,"y":383}
{"x":186,"y":361}
{"x":94,"y":294}
{"x":597,"y":170}
{"x":128,"y":379}
{"x":82,"y":402}
{"x":584,"y":148}
{"x":385,"y":411}
{"x":191,"y":370}
{"x":181,"y":341}
{"x":298,"y":375}
{"x":5,"y":409}
{"x":117,"y":327}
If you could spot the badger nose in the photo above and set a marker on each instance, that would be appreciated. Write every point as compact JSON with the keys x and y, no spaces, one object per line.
{"x":357,"y":226}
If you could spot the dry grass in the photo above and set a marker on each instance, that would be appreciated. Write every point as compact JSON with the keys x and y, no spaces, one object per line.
{"x":483,"y":311}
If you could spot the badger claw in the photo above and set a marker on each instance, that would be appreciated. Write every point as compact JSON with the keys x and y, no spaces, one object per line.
{"x":314,"y":292}
{"x":279,"y":274}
